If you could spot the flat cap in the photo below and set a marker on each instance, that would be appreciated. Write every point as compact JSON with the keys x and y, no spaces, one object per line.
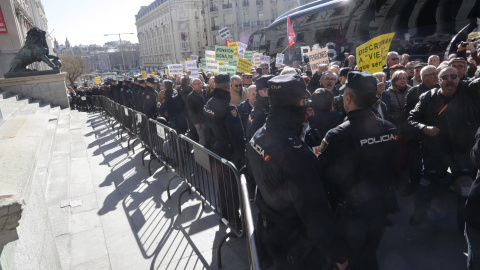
{"x":261,"y":82}
{"x":361,"y":81}
{"x":151,"y":80}
{"x":286,"y":90}
{"x":457,"y":59}
{"x":344,"y":71}
{"x":141,"y":80}
{"x":222,"y":77}
{"x":421,"y":65}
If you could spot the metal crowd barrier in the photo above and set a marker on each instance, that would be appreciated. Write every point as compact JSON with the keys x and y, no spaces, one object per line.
{"x":97,"y":103}
{"x":214,"y":179}
{"x":163,"y":143}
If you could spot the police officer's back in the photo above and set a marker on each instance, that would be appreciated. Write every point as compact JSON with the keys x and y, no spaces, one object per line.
{"x":295,"y":225}
{"x":259,"y":113}
{"x":150,"y":98}
{"x":359,"y":158}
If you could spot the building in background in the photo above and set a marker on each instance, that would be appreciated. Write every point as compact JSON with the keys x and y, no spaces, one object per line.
{"x":172,"y":30}
{"x":19,"y":16}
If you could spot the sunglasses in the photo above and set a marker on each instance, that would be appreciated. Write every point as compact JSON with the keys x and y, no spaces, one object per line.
{"x":237,"y":85}
{"x":452,"y":76}
{"x":247,"y":77}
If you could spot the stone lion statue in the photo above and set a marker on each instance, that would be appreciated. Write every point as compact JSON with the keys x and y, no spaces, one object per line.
{"x":34,"y":50}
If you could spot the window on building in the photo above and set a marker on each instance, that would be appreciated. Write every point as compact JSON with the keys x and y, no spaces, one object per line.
{"x":246,"y":17}
{"x":274,"y":14}
{"x":260,"y":15}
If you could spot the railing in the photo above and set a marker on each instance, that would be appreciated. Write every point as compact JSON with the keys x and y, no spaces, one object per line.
{"x":212,"y":178}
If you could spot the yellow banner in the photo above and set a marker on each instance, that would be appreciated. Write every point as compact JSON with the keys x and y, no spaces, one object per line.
{"x":98,"y":80}
{"x":221,"y":63}
{"x":372,"y":55}
{"x":188,"y":59}
{"x":144,"y":74}
{"x":473,"y":35}
{"x":244,"y":65}
{"x":235,"y":47}
{"x":153,"y":74}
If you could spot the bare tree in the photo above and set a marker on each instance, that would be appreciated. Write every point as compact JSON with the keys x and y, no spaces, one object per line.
{"x":74,"y":65}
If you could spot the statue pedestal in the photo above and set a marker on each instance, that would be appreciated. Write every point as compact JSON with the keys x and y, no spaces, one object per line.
{"x":47,"y":88}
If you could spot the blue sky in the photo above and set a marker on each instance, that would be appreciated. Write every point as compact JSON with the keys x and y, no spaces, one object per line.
{"x":86,"y":21}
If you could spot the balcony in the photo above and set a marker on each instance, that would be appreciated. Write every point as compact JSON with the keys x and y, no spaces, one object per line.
{"x":214,"y":8}
{"x":245,"y":4}
{"x":225,"y":6}
{"x":215,"y":27}
{"x":259,"y":2}
{"x":202,"y":12}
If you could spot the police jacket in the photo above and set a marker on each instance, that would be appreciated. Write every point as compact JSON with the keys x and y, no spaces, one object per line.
{"x":140,"y":92}
{"x":127,"y":96}
{"x":225,"y":124}
{"x":244,"y":110}
{"x":117,"y":94}
{"x":135,"y":88}
{"x":472,"y":217}
{"x":150,"y":102}
{"x":455,"y":116}
{"x":258,"y":115}
{"x":290,"y":192}
{"x":360,"y":156}
{"x":319,"y":124}
{"x":195,"y":104}
{"x":175,"y":106}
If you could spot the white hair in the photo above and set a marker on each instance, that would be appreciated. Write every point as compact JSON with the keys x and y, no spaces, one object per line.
{"x":253,"y":86}
{"x":288,"y":70}
{"x":425,"y":68}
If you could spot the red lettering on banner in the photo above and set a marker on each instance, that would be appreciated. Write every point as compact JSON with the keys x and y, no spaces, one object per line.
{"x":3,"y":26}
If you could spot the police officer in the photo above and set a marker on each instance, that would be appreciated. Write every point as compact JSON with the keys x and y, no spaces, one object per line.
{"x":141,"y":90}
{"x":359,"y":158}
{"x":127,"y":93}
{"x":229,"y":142}
{"x":295,"y":224}
{"x":150,"y":98}
{"x":259,"y":113}
{"x":135,"y":88}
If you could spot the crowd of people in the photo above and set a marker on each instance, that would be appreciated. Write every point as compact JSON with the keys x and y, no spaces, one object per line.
{"x":323,"y":150}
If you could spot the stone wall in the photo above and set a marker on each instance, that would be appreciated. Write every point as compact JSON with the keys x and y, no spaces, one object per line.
{"x":47,"y":88}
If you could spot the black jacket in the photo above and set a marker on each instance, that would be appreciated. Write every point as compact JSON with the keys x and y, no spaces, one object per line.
{"x":149,"y":102}
{"x":472,"y":216}
{"x":359,"y":157}
{"x":320,"y":123}
{"x":225,"y":124}
{"x":290,"y":194}
{"x":314,"y":82}
{"x":258,"y":115}
{"x":458,"y":122}
{"x":195,"y":104}
{"x":175,"y":106}
{"x":412,"y":98}
{"x":244,"y":109}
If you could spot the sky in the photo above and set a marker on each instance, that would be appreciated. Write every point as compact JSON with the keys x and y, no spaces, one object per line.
{"x":87,"y":21}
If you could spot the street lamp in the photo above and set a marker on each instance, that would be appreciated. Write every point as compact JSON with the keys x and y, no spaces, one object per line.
{"x":121,"y":50}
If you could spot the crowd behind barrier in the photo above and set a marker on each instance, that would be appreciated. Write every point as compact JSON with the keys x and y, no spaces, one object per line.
{"x":212,"y":178}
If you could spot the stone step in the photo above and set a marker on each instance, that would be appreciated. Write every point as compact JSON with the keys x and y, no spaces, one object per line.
{"x":13,"y":106}
{"x":5,"y":94}
{"x":30,"y":108}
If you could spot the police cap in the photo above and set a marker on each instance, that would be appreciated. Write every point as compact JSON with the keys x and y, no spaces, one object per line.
{"x":361,"y":81}
{"x":286,"y":90}
{"x":222,"y":77}
{"x":151,"y":80}
{"x":261,"y":82}
{"x":141,"y":80}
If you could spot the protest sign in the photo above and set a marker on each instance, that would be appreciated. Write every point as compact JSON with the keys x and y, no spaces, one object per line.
{"x":194,"y":58}
{"x":372,"y":55}
{"x":175,"y":69}
{"x":144,"y":74}
{"x":166,"y":63}
{"x":235,"y":48}
{"x":211,"y":64}
{"x":279,"y":60}
{"x":473,"y":35}
{"x":265,"y":59}
{"x":153,"y":73}
{"x":228,"y":69}
{"x":234,"y":62}
{"x":318,"y":57}
{"x":242,"y":47}
{"x":248,"y":56}
{"x":256,"y":59}
{"x":98,"y":80}
{"x":203,"y":61}
{"x":224,"y":53}
{"x":224,"y":33}
{"x":244,"y":65}
{"x":192,"y":67}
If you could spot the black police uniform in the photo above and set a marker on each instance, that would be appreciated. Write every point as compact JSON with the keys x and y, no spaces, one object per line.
{"x":117,"y":93}
{"x":134,"y":95}
{"x":81,"y":100}
{"x":150,"y":102}
{"x":244,"y":109}
{"x":127,"y":95}
{"x":295,"y":226}
{"x":226,"y":127}
{"x":259,"y":113}
{"x":359,"y":158}
{"x":319,"y":124}
{"x":140,"y":92}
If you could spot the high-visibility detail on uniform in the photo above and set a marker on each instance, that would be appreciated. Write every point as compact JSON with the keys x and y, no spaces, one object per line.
{"x":383,"y":138}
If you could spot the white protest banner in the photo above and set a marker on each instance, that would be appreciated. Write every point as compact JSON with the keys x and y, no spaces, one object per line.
{"x":224,"y":33}
{"x":279,"y":60}
{"x":175,"y":69}
{"x":265,"y":59}
{"x":256,"y":59}
{"x":211,"y":65}
{"x":224,"y":53}
{"x":192,"y":67}
{"x":194,"y":58}
{"x":318,"y":57}
{"x":242,"y":47}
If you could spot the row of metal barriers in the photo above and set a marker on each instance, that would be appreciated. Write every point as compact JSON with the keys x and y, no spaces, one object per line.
{"x":212,"y":178}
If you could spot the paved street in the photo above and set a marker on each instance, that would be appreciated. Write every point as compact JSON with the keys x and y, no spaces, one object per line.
{"x":127,"y":222}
